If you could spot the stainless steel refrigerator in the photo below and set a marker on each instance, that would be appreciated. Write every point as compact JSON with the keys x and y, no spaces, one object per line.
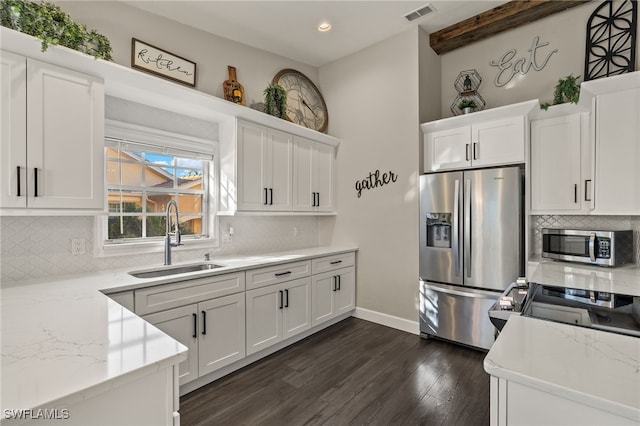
{"x":471,"y":249}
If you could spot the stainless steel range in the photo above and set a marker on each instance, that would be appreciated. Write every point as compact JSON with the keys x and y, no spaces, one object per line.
{"x":601,"y":310}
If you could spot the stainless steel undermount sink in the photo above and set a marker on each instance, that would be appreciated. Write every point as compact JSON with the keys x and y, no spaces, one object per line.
{"x":163,"y":271}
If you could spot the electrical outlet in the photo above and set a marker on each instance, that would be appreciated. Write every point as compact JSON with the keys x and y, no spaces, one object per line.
{"x":226,"y":237}
{"x":78,"y":246}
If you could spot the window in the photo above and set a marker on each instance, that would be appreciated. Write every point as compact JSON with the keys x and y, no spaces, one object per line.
{"x":142,"y":177}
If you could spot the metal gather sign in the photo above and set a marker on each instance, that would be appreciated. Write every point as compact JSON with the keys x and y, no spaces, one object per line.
{"x":508,"y":67}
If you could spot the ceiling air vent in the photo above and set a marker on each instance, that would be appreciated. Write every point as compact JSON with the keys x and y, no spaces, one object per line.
{"x":424,"y":10}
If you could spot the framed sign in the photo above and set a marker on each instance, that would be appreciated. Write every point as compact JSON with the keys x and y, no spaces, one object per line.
{"x":151,"y":59}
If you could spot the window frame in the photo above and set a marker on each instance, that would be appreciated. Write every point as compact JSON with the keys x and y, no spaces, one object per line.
{"x":171,"y":142}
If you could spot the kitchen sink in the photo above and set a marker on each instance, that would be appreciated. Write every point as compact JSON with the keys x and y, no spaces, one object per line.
{"x":163,"y":271}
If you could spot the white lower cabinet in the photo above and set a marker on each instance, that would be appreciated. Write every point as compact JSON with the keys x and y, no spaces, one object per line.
{"x":222,"y":332}
{"x":213,"y":331}
{"x":277,"y":312}
{"x":181,"y":324}
{"x":513,"y":403}
{"x":333,"y":293}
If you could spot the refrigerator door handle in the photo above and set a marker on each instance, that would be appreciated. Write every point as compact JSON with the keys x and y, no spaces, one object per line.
{"x":467,"y":226}
{"x":455,"y":237}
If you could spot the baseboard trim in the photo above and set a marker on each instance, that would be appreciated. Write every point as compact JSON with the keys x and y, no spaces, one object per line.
{"x":388,"y":320}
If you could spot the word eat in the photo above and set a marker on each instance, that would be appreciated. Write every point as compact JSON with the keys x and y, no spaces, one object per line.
{"x":374,"y":180}
{"x":508,"y":69}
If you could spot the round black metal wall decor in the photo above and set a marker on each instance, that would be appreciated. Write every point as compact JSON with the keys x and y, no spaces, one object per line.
{"x":611,"y":39}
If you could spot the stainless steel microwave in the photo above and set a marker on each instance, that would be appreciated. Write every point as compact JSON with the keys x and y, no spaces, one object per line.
{"x":605,"y":248}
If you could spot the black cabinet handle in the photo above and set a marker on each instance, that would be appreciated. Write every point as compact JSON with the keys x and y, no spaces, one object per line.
{"x":35,"y":181}
{"x":313,"y":203}
{"x":335,"y":262}
{"x":585,"y":190}
{"x":270,"y":196}
{"x":335,"y":282}
{"x":266,"y":197}
{"x":195,"y":325}
{"x":19,"y":195}
{"x":575,"y":193}
{"x":318,"y":201}
{"x":204,"y":322}
{"x":466,"y":152}
{"x":286,"y":298}
{"x":339,"y":282}
{"x":474,"y":151}
{"x":281,"y":301}
{"x":279,"y":274}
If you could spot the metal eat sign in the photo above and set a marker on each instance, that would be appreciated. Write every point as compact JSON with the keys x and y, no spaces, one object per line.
{"x":508,"y":67}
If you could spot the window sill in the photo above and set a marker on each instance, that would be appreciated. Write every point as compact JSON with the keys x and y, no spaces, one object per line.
{"x":123,"y":249}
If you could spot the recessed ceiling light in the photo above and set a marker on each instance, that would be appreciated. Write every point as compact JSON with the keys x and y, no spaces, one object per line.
{"x":324,"y":27}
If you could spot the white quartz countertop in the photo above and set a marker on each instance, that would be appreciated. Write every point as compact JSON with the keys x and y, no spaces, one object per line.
{"x":619,"y":280}
{"x":591,"y":367}
{"x":63,"y":339}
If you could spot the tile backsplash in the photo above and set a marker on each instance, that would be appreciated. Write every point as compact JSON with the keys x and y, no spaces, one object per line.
{"x":34,"y":247}
{"x":583,"y":222}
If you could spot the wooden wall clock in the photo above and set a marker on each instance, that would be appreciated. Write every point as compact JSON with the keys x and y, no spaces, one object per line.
{"x":305,"y":104}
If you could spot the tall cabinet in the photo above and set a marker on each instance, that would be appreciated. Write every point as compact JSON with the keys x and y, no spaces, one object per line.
{"x":52,"y":136}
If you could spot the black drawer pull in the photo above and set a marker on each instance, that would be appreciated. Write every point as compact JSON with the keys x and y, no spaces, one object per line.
{"x":204,"y":322}
{"x":279,"y":274}
{"x":335,"y":262}
{"x":281,"y":301}
{"x":270,"y":196}
{"x":466,"y":152}
{"x":19,"y":195}
{"x":195,"y":325}
{"x":35,"y":181}
{"x":339,"y":282}
{"x":286,"y":298}
{"x":575,"y":193}
{"x":335,"y":282}
{"x":266,"y":197}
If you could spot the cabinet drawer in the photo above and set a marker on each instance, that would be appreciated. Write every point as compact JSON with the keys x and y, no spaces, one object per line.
{"x":167,"y":296}
{"x":276,"y":274}
{"x":330,"y":263}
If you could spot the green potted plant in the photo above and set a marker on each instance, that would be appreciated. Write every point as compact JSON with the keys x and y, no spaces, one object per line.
{"x":52,"y":26}
{"x":467,"y":106}
{"x":275,"y":101}
{"x":567,"y":90}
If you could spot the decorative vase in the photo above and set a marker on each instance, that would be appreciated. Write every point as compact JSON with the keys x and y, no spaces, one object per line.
{"x":467,"y":110}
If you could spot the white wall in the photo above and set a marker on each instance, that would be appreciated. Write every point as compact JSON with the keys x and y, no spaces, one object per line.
{"x":374,"y":102}
{"x":120,"y":22}
{"x":37,"y":247}
{"x":565,"y":31}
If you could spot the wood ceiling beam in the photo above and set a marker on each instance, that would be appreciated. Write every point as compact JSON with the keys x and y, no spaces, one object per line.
{"x":502,"y":18}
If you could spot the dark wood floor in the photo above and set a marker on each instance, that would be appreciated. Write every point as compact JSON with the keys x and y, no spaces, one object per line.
{"x":355,"y":372}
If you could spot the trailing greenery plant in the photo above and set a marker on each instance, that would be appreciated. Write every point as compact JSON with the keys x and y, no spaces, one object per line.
{"x":52,"y":26}
{"x":567,"y":90}
{"x":467,"y":103}
{"x":275,"y":101}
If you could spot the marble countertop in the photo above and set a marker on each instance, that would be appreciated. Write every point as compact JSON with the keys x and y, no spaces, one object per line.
{"x":592,"y":367}
{"x":619,"y":280}
{"x":63,"y":339}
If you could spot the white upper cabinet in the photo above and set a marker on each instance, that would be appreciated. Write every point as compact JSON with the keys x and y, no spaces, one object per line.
{"x":498,"y":142}
{"x":280,"y":172}
{"x":264,"y":168}
{"x":313,"y":176}
{"x":52,"y":137}
{"x":617,"y":153}
{"x":486,"y":138}
{"x":560,"y":166}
